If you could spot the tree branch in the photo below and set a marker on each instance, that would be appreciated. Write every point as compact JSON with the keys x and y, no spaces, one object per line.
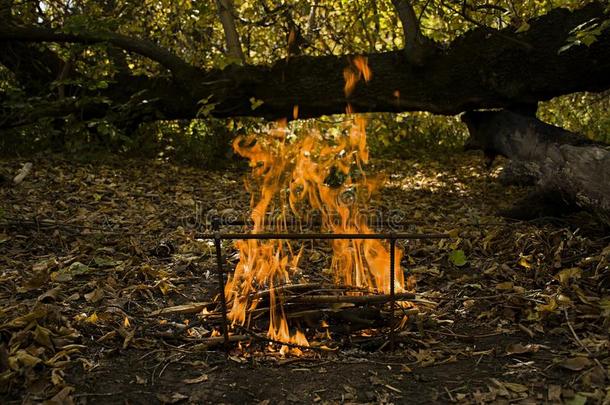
{"x":179,"y":68}
{"x":492,"y":31}
{"x":225,"y":12}
{"x":415,"y":42}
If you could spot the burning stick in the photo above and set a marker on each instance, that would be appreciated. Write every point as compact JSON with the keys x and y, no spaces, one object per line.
{"x":352,"y":299}
{"x":218,"y":340}
{"x":282,"y":289}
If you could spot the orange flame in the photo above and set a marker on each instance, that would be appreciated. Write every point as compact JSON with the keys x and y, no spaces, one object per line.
{"x":295,"y":112}
{"x":352,"y":74}
{"x":362,"y":64}
{"x":295,"y":176}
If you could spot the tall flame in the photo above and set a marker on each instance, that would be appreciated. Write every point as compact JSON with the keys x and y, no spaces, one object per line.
{"x":357,"y":69}
{"x":312,"y":172}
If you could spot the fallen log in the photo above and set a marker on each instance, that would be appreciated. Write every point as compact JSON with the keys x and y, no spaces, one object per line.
{"x":484,"y":68}
{"x":566,"y":166}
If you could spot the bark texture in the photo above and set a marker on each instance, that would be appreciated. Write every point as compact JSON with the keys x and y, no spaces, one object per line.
{"x":570,"y":167}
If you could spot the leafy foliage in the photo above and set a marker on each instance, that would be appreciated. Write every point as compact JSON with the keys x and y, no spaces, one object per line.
{"x":192,"y":30}
{"x":584,"y":113}
{"x":401,"y":135}
{"x":204,"y":143}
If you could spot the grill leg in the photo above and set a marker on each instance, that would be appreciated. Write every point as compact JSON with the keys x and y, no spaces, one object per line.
{"x":221,"y":283}
{"x":392,"y":292}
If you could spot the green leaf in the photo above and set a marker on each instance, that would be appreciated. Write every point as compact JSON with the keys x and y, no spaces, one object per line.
{"x":254,"y":103}
{"x":458,"y":257}
{"x":207,"y":107}
{"x":524,"y":27}
{"x":67,"y":273}
{"x":229,"y":60}
{"x":577,"y":400}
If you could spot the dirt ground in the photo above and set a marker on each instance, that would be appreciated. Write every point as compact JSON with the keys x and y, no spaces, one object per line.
{"x":102,"y":280}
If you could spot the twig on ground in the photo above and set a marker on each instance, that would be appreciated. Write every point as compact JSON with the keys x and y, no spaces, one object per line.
{"x":487,"y":297}
{"x":580,"y":343}
{"x":457,"y":335}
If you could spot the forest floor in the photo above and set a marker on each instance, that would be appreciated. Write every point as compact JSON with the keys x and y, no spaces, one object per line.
{"x":103,"y":283}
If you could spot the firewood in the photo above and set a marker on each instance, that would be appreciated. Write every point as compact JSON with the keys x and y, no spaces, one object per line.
{"x":216,"y":340}
{"x":353,"y":299}
{"x":286,"y":288}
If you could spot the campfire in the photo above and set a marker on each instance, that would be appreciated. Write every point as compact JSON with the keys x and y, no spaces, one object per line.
{"x":298,"y":179}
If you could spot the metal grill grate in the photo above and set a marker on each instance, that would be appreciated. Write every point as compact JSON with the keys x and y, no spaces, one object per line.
{"x":218,"y":237}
